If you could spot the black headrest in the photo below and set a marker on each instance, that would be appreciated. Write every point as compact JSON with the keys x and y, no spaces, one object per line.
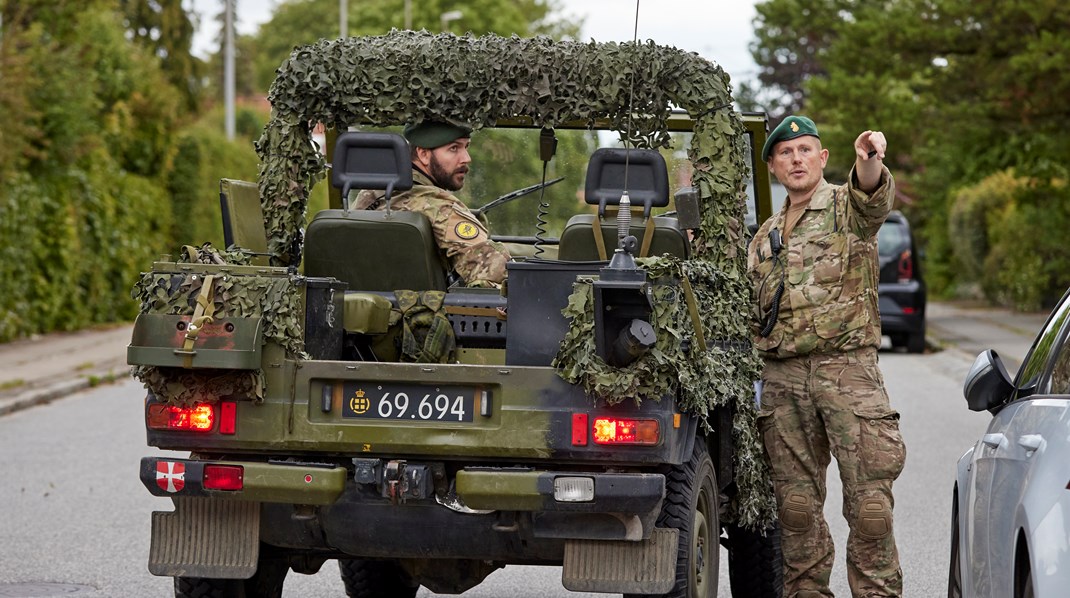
{"x":371,"y":161}
{"x":648,"y":179}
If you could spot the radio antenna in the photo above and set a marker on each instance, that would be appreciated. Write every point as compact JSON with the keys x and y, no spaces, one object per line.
{"x":624,"y":209}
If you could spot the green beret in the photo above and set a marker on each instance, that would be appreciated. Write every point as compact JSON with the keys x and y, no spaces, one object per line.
{"x":790,"y":128}
{"x":431,"y":134}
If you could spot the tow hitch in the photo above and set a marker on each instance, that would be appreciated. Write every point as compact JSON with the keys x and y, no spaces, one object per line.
{"x":399,"y":480}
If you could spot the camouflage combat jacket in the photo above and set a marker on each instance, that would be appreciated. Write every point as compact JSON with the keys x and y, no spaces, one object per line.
{"x":462,"y":239}
{"x":829,"y":268}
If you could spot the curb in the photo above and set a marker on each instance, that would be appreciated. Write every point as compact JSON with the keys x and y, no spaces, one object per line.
{"x":41,"y":395}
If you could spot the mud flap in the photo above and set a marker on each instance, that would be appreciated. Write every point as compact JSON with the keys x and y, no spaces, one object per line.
{"x":647,"y":567}
{"x":206,"y":537}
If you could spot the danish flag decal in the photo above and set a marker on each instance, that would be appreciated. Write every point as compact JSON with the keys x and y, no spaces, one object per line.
{"x":170,"y":476}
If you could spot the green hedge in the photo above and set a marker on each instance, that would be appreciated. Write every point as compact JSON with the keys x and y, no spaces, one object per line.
{"x":72,"y":245}
{"x":1006,"y":235}
{"x":73,"y":242}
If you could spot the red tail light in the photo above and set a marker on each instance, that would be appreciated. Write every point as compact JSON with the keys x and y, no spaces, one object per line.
{"x":198,"y":418}
{"x":224,"y":477}
{"x":906,"y":267}
{"x":616,"y":430}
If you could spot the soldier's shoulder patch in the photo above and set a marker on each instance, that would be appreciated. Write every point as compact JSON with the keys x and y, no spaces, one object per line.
{"x":466,"y":230}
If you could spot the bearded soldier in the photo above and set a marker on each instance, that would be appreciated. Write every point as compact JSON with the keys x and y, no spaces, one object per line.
{"x":814,"y":271}
{"x":440,"y":162}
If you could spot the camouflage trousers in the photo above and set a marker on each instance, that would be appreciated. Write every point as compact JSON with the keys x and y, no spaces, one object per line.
{"x":833,"y":404}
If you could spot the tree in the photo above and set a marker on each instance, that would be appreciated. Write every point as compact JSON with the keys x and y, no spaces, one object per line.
{"x":791,"y":40}
{"x":165,"y":29}
{"x":962,"y":88}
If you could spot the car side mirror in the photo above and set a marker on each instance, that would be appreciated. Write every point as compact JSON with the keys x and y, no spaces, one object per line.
{"x":987,"y":384}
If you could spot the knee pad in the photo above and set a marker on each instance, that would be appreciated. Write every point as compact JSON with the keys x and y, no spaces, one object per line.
{"x":874,"y":520}
{"x":796,"y":514}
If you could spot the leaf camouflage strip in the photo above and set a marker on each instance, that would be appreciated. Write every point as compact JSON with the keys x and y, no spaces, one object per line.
{"x":277,"y":300}
{"x":407,"y":76}
{"x":703,"y":380}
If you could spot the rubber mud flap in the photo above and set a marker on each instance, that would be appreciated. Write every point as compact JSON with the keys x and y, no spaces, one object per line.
{"x":206,"y":537}
{"x":647,"y":567}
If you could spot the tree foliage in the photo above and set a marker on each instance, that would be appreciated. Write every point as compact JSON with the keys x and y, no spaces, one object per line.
{"x":963,"y":89}
{"x":87,"y":130}
{"x":166,"y":30}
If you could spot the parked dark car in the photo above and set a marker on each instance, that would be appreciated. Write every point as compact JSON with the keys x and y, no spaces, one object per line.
{"x":902,"y":290}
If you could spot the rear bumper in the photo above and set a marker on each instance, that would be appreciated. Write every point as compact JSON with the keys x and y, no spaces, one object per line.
{"x":491,"y":513}
{"x":902,"y":307}
{"x":309,"y":484}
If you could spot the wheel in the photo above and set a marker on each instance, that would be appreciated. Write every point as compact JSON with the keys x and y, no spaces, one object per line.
{"x":691,"y":506}
{"x":755,"y":562}
{"x":954,"y":575}
{"x":375,"y":579}
{"x":265,"y":583}
{"x":1023,"y":573}
{"x":916,"y":341}
{"x":1025,"y":584}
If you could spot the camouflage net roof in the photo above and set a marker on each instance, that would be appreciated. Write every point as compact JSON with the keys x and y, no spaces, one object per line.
{"x":408,"y":76}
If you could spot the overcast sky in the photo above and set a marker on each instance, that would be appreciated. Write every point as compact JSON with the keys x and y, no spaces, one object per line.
{"x":719,"y":30}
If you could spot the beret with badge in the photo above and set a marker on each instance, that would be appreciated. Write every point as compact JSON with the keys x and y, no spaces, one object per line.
{"x":790,"y":128}
{"x":432,"y":134}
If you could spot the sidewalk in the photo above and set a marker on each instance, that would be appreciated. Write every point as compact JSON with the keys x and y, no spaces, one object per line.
{"x":38,"y":370}
{"x":42,"y":369}
{"x":972,"y":329}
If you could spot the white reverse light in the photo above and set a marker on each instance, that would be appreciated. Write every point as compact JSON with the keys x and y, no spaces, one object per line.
{"x":573,"y":489}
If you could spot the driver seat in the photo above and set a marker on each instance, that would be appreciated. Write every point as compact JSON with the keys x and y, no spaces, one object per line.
{"x":373,"y":250}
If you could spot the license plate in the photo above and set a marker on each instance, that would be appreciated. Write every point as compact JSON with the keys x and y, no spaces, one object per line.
{"x":410,"y":402}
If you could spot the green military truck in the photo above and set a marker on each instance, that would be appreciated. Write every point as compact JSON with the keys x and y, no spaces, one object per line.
{"x":340,"y":399}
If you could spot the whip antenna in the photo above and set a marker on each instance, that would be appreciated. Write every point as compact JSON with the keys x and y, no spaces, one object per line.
{"x":624,"y":208}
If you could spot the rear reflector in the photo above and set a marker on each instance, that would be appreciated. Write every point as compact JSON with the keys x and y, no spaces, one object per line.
{"x":223,"y":477}
{"x":198,"y":418}
{"x":572,"y":489}
{"x":579,"y":429}
{"x":228,"y":411}
{"x":616,"y":430}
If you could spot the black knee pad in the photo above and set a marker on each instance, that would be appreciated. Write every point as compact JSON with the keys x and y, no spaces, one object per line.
{"x":796,"y":514}
{"x":874,"y":519}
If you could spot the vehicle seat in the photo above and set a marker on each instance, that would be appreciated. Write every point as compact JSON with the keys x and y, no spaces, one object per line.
{"x":243,"y":218}
{"x":590,"y":237}
{"x":373,"y":250}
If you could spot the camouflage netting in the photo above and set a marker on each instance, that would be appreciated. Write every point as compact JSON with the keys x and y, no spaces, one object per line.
{"x":676,"y":366}
{"x":275,"y":299}
{"x":407,"y":76}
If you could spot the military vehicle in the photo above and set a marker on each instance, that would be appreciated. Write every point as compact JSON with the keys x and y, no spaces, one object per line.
{"x":341,"y":400}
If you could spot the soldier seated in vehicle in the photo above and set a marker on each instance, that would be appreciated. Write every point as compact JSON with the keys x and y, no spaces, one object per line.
{"x":440,"y":161}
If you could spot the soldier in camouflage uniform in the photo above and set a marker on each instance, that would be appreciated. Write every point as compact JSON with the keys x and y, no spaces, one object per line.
{"x":439,"y":164}
{"x":814,"y":271}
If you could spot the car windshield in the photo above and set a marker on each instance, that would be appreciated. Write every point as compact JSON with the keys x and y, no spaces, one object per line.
{"x":891,"y":239}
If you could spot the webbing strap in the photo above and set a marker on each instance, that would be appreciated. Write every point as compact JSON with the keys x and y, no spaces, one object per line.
{"x":202,"y":315}
{"x":490,"y":312}
{"x":599,"y":242}
{"x":648,"y":236}
{"x":692,"y":308}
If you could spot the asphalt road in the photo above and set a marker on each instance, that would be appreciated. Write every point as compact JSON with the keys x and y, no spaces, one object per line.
{"x":76,"y":516}
{"x":76,"y":519}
